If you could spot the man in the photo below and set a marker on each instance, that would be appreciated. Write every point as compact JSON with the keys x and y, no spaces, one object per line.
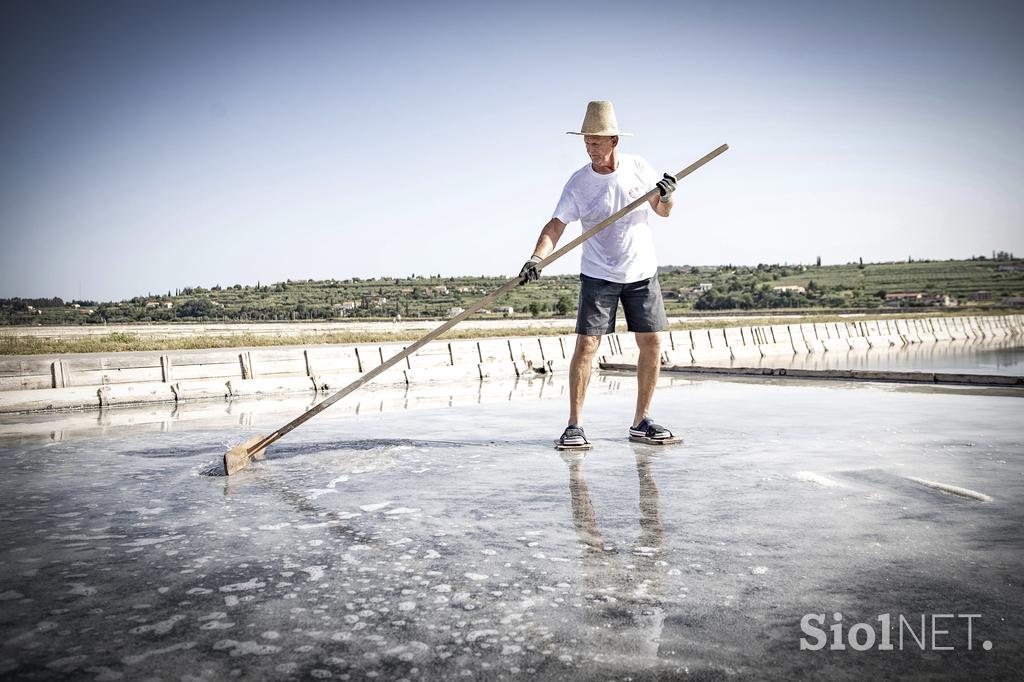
{"x":617,"y":264}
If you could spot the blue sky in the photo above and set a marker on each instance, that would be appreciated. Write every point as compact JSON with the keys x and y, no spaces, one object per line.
{"x":155,"y":145}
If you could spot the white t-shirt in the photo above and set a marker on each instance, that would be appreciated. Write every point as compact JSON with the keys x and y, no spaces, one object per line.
{"x":623,"y":252}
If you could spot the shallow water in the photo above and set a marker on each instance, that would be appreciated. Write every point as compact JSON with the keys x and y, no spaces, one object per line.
{"x":449,"y":542}
{"x":1002,"y":358}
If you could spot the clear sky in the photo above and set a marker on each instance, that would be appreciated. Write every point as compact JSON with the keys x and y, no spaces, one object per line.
{"x":154,"y":145}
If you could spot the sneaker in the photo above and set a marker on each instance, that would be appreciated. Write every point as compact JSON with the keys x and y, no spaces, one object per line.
{"x":573,"y":437}
{"x":648,"y":430}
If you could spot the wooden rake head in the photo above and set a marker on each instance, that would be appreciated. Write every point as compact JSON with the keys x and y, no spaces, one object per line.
{"x":240,"y":455}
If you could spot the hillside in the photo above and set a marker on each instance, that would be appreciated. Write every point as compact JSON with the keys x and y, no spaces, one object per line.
{"x":974,"y":283}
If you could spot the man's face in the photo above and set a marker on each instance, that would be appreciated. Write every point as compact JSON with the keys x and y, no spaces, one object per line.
{"x":599,"y":147}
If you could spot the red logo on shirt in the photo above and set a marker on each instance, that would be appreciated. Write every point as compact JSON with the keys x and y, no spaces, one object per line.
{"x":635,"y":193}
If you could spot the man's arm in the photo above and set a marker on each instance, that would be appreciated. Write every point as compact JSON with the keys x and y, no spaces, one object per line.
{"x":661,"y":208}
{"x":549,"y":236}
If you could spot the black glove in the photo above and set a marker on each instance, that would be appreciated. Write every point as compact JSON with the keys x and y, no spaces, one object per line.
{"x":530,"y":273}
{"x":666,"y":186}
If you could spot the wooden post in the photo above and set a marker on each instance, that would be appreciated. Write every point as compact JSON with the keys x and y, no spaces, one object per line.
{"x":359,"y":361}
{"x":309,"y":363}
{"x":60,"y":374}
{"x":245,"y":360}
{"x":166,"y":368}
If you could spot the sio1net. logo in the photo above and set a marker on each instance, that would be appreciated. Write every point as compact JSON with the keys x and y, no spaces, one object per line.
{"x":924,"y":632}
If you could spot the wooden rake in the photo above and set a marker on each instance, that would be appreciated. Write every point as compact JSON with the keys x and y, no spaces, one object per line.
{"x":255,"y":448}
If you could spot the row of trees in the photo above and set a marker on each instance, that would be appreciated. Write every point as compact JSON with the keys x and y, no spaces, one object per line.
{"x":854,"y":285}
{"x":753,"y":294}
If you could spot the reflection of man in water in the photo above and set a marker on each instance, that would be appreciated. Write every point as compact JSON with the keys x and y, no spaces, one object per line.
{"x":623,"y":588}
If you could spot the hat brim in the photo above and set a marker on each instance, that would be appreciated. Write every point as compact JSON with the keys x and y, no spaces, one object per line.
{"x":605,"y":134}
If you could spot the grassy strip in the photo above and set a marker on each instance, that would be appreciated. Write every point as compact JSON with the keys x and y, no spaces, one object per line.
{"x":118,"y":342}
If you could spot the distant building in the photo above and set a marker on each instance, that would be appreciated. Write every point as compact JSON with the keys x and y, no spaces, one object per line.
{"x":506,"y":309}
{"x":898,"y":299}
{"x":940,"y":300}
{"x":792,"y":288}
{"x":703,"y":287}
{"x":904,"y":296}
{"x":152,"y":304}
{"x":1013,"y":300}
{"x":456,"y":310}
{"x":441,"y":289}
{"x":981,"y":296}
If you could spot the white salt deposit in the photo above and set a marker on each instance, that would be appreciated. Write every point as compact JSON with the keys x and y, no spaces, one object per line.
{"x":138,"y":658}
{"x":81,"y":589}
{"x":216,"y":615}
{"x":315,"y":572}
{"x":217,"y":625}
{"x":811,"y":477}
{"x":160,"y":628}
{"x":401,"y":510}
{"x":251,"y":584}
{"x":250,"y":648}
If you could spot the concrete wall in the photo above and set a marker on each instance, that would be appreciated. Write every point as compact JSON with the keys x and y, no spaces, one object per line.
{"x":29,"y":383}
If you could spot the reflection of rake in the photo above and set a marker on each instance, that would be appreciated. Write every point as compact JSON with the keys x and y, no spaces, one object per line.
{"x":240,"y":455}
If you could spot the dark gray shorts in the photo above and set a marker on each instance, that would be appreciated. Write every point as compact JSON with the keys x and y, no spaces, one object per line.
{"x":599,"y":301}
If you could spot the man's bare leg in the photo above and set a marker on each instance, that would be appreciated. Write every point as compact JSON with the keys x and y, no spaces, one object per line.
{"x":579,"y":374}
{"x":647,"y":368}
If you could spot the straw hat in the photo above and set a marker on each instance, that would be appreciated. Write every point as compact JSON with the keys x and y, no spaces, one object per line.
{"x":600,"y":120}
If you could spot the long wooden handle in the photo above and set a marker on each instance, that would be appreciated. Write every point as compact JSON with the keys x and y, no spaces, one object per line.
{"x":502,"y":290}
